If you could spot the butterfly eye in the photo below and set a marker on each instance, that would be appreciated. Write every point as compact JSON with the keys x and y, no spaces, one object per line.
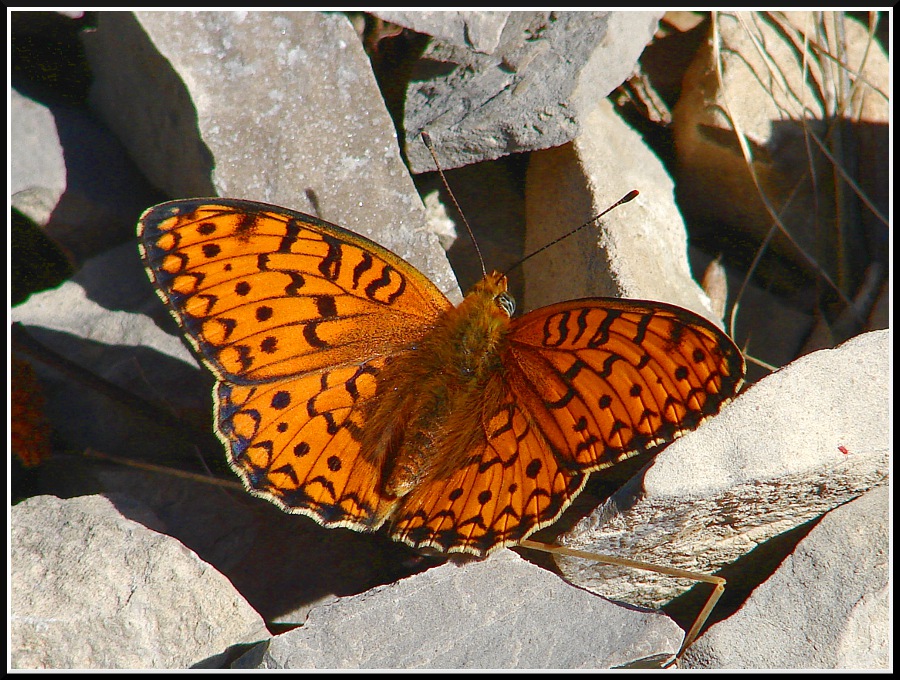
{"x":506,"y":302}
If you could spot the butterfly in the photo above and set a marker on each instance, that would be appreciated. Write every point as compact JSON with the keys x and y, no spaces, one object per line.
{"x":350,"y":390}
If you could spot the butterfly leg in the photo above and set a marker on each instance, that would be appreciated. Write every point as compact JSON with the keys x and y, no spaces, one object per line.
{"x":717,"y":581}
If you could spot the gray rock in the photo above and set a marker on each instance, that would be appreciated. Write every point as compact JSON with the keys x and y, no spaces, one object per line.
{"x":275,"y":107}
{"x":72,"y":178}
{"x":479,"y":31}
{"x":827,"y":606}
{"x":497,"y":613}
{"x":549,"y":71}
{"x":797,"y":444}
{"x":639,"y":250}
{"x":91,"y":589}
{"x":37,"y":173}
{"x":113,"y":332}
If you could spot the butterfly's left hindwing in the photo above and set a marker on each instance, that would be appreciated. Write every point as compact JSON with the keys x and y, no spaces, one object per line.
{"x":296,"y":443}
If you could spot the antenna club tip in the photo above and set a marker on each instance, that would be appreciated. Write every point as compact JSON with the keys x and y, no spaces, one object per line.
{"x":630,"y":196}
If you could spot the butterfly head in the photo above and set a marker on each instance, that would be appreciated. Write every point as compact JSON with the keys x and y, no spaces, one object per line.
{"x":494,"y":287}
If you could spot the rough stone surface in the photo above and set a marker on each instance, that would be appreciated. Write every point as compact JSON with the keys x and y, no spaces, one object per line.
{"x":765,"y":108}
{"x":795,"y":445}
{"x":72,"y":178}
{"x":479,"y":31}
{"x":91,"y":589}
{"x":110,"y":331}
{"x":498,"y":613}
{"x":549,"y":70}
{"x":828,"y":605}
{"x":639,"y":250}
{"x":279,"y":107}
{"x":37,"y":172}
{"x":785,"y":100}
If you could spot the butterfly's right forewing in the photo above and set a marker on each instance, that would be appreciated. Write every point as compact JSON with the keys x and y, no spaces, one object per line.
{"x":604,"y":379}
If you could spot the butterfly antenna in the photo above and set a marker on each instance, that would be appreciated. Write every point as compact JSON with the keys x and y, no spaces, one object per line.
{"x":427,"y":139}
{"x":630,"y":196}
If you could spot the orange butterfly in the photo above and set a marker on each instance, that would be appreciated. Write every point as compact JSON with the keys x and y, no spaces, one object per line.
{"x":350,"y":390}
